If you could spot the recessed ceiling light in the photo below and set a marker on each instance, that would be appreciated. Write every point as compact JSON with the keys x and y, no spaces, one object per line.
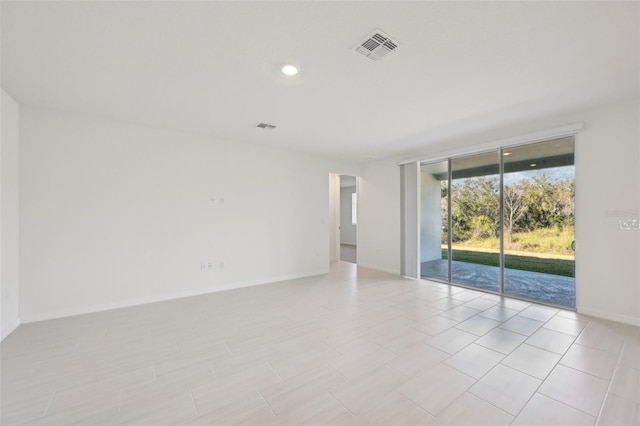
{"x":290,"y":70}
{"x":506,"y":153}
{"x":533,"y":164}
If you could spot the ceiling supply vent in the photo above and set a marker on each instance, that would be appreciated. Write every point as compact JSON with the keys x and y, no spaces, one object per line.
{"x":266,"y":126}
{"x":377,"y":45}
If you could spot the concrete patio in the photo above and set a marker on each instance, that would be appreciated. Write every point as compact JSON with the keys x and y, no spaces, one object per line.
{"x":548,"y":288}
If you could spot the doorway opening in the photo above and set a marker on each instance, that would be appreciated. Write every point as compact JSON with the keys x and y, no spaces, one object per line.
{"x":348,"y":219}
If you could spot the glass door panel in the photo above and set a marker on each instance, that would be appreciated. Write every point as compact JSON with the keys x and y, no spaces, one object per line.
{"x":434,"y":224}
{"x":475,"y":220}
{"x":539,"y":221}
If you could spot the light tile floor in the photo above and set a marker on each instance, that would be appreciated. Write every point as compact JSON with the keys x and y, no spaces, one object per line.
{"x":354,"y":346}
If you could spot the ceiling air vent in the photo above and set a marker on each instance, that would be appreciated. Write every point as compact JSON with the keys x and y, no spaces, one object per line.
{"x":266,"y":126}
{"x":377,"y":46}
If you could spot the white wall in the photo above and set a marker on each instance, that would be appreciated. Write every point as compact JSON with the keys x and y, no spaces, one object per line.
{"x":379,"y":216}
{"x":348,"y":231}
{"x":114,"y":214}
{"x":607,"y":179}
{"x":9,"y":213}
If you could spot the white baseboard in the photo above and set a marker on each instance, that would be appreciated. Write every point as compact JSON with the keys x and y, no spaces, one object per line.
{"x":609,"y":316}
{"x":7,"y":329}
{"x":411,"y":278}
{"x":161,"y":298}
{"x":379,"y":268}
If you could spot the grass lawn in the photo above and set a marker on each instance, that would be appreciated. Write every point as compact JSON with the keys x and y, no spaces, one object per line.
{"x":552,"y":241}
{"x":534,"y":264}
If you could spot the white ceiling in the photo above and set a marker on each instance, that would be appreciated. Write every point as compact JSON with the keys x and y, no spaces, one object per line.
{"x":213,"y":68}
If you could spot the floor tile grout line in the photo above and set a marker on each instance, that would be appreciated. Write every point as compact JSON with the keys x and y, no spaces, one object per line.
{"x":229,"y":348}
{"x":615,"y":370}
{"x":46,"y":410}
{"x":213,"y":371}
{"x":193,"y":400}
{"x":274,"y":370}
{"x":386,"y":364}
{"x":268,"y":404}
{"x":483,"y":400}
{"x":537,"y":388}
{"x":490,"y":370}
{"x":597,"y":349}
{"x":588,"y":374}
{"x":414,"y":403}
{"x":563,"y":403}
{"x":566,"y":405}
{"x":531,"y":375}
{"x":575,"y":337}
{"x":340,"y":402}
{"x":547,"y":350}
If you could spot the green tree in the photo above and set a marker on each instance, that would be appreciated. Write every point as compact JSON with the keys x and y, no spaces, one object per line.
{"x":514,"y":205}
{"x":537,"y":198}
{"x":475,"y":208}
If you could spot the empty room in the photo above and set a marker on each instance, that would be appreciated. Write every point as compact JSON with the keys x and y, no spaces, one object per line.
{"x":320,"y":213}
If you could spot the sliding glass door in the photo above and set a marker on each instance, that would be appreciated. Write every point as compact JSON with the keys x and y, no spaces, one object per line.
{"x":502,"y":221}
{"x":539,"y":221}
{"x":475,"y":221}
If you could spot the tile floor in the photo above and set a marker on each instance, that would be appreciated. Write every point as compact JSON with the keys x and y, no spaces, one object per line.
{"x":352,"y":347}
